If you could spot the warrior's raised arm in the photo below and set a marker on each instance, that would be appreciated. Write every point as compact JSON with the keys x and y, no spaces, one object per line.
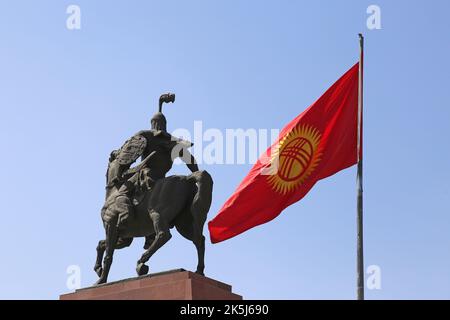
{"x":188,"y":159}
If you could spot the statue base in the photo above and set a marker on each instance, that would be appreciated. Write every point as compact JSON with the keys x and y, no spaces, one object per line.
{"x":169,"y":285}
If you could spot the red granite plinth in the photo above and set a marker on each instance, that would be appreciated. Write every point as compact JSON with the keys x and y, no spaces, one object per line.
{"x":170,"y":285}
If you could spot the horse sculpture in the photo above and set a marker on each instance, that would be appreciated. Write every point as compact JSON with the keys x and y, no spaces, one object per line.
{"x":182,"y":202}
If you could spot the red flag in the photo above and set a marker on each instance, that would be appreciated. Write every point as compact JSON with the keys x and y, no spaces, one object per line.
{"x":316,"y":144}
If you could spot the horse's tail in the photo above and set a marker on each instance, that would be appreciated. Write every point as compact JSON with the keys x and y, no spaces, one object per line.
{"x":203,"y":197}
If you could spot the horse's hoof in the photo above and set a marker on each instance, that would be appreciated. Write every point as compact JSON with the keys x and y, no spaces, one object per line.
{"x":98,"y":271}
{"x":141,"y":269}
{"x":200,"y":272}
{"x":99,"y":281}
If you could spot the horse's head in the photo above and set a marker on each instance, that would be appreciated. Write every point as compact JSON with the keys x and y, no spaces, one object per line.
{"x":112,"y":157}
{"x":112,"y":173}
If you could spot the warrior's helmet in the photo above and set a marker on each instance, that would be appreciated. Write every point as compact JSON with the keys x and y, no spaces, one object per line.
{"x":159,"y":121}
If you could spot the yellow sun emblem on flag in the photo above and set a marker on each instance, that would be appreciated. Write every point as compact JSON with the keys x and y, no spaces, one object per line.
{"x":295,"y":158}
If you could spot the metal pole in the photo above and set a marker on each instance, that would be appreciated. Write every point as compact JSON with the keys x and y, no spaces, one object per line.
{"x":359,"y":179}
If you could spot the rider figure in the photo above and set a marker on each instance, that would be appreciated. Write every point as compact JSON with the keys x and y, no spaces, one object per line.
{"x":157,"y":149}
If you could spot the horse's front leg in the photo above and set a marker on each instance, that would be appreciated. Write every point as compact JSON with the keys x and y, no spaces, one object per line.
{"x":101,"y":247}
{"x":111,"y":239}
{"x":162,"y":235}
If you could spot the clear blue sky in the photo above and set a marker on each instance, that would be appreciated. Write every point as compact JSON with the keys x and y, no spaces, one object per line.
{"x":68,"y":98}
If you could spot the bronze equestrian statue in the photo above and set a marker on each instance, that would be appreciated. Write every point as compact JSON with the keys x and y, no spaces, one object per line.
{"x":143,"y":202}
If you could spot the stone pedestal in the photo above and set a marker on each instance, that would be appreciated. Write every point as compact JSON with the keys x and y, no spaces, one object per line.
{"x":170,"y":285}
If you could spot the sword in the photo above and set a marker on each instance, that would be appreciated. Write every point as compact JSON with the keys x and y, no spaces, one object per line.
{"x":140,"y":166}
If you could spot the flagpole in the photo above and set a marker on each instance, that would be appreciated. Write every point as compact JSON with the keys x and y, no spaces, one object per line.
{"x":359,"y":179}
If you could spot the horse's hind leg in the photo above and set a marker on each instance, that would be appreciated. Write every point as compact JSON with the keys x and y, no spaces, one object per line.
{"x":162,"y":235}
{"x":186,"y":229}
{"x":199,"y":241}
{"x":199,"y":211}
{"x":198,"y":221}
{"x":200,"y":245}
